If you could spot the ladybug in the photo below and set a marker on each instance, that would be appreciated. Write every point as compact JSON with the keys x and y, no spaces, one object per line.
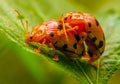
{"x":87,"y":27}
{"x":52,"y":34}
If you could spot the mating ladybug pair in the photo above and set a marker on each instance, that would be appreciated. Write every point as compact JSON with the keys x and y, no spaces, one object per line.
{"x":76,"y":34}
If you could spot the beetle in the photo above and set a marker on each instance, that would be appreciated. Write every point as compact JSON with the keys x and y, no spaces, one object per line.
{"x":52,"y":34}
{"x":89,"y":29}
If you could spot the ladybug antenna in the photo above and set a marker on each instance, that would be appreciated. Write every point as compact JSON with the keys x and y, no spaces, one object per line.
{"x":64,"y":29}
{"x":26,"y":29}
{"x":20,"y":17}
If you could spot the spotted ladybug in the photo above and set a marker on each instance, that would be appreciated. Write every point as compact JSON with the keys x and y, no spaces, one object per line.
{"x":87,"y":27}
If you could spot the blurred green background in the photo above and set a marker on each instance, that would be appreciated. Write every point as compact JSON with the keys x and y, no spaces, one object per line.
{"x":18,"y":66}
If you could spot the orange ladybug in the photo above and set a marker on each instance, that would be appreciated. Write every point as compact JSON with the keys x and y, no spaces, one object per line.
{"x":89,"y":28}
{"x":52,"y":34}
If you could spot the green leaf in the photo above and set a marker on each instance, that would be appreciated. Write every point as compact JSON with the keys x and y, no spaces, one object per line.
{"x":110,"y":61}
{"x":35,"y":12}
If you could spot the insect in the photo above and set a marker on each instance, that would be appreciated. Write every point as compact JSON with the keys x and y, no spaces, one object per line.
{"x":52,"y":34}
{"x":88,"y":29}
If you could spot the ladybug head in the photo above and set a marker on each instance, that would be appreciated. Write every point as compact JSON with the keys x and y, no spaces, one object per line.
{"x":37,"y":34}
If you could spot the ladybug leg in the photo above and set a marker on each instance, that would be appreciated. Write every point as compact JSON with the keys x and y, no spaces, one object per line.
{"x":72,"y":29}
{"x":83,"y":36}
{"x":91,"y":61}
{"x":93,"y":52}
{"x":64,"y":29}
{"x":55,"y":58}
{"x":68,"y":30}
{"x":40,"y":47}
{"x":86,"y":55}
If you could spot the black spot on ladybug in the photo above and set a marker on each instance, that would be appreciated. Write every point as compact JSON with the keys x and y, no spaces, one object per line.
{"x":65,"y":18}
{"x":100,"y":44}
{"x":89,"y":31}
{"x":51,"y":34}
{"x":55,"y":42}
{"x":90,"y":53}
{"x":75,"y":45}
{"x":31,"y":37}
{"x":82,"y":53}
{"x":89,"y":24}
{"x":97,"y":23}
{"x":76,"y":37}
{"x":60,"y":27}
{"x":82,"y":37}
{"x":94,"y":39}
{"x":64,"y":46}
